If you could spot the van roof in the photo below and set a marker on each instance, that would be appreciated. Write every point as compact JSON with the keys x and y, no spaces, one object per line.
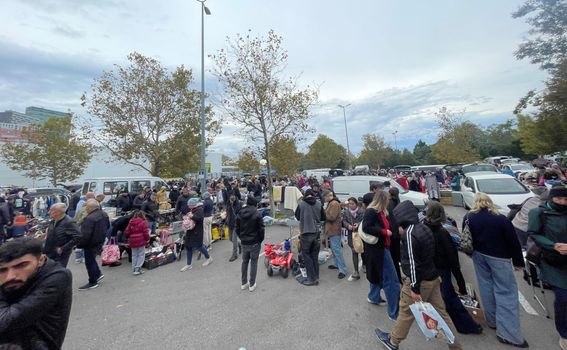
{"x":362,"y":177}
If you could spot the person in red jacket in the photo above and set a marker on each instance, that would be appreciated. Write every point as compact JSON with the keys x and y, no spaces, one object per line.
{"x":139,"y":236}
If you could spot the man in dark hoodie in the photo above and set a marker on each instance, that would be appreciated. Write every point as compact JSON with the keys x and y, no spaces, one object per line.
{"x":422,"y":282}
{"x":249,"y":227}
{"x":232,"y":209}
{"x":310,"y":213}
{"x":181,"y":207}
{"x":35,"y":297}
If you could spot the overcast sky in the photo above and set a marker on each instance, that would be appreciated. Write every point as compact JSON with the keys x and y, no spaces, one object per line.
{"x":396,"y":62}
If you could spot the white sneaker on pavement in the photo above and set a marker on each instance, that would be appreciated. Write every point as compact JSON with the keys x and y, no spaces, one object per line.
{"x":563,"y":343}
{"x":208,"y":261}
{"x":244,"y":286}
{"x":186,"y":267}
{"x":252,"y":288}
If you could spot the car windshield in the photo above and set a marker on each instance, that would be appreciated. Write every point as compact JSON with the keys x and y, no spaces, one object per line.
{"x":479,"y":167}
{"x":501,"y":186}
{"x":521,"y":167}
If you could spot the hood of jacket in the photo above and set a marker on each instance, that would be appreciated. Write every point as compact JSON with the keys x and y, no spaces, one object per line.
{"x":248,"y":212}
{"x":310,"y":200}
{"x":138,"y":223}
{"x":406,"y":214}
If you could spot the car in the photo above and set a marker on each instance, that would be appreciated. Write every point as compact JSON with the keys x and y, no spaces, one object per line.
{"x":453,"y":167}
{"x":403,"y":168}
{"x":47,"y":191}
{"x":502,"y":189}
{"x":510,"y":161}
{"x":112,"y":186}
{"x":357,"y":186}
{"x":479,"y":167}
{"x":522,"y":168}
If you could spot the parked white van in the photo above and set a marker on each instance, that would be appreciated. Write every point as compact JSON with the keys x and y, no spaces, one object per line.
{"x":112,"y":186}
{"x":357,"y":186}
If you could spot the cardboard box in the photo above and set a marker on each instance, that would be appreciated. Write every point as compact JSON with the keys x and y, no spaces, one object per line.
{"x":474,"y":310}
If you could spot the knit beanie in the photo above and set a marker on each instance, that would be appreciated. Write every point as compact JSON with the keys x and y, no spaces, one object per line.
{"x":251,"y":201}
{"x":558,"y":190}
{"x":435,"y":213}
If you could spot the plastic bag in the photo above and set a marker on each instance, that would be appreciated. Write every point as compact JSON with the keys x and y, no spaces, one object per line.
{"x":110,"y":253}
{"x":431,"y":323}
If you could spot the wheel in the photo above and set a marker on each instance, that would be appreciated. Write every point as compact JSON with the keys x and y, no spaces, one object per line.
{"x":285,"y":272}
{"x":270,"y":271}
{"x":266,"y":262}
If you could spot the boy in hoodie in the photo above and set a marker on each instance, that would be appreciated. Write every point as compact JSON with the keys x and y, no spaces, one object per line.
{"x":333,"y":230}
{"x":422,"y":282}
{"x":249,"y":227}
{"x":139,"y":235}
{"x":310,"y":213}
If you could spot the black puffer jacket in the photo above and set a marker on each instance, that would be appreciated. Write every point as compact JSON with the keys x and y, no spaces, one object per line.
{"x":151,"y":209}
{"x":417,"y":246}
{"x":61,"y":234}
{"x":249,"y":226}
{"x":36,"y":317}
{"x":93,"y":229}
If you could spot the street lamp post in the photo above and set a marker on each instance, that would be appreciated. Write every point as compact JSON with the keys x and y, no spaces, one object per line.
{"x":202,"y":169}
{"x":395,"y":133}
{"x":346,"y":132}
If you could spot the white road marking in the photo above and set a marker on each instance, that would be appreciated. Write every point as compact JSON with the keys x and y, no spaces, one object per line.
{"x":526,"y":305}
{"x":292,"y":238}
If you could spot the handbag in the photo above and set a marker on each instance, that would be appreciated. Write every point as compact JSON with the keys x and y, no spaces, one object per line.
{"x":357,"y":244}
{"x":466,"y":239}
{"x":369,"y":239}
{"x":110,"y":253}
{"x":533,"y":251}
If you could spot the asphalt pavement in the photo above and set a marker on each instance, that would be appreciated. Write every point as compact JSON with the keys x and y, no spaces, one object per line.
{"x":204,"y":308}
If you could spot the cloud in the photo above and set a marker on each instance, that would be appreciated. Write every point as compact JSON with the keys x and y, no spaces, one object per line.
{"x":69,"y":32}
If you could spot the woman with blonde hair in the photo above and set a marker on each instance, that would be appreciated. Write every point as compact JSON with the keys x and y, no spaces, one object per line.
{"x":380,"y":270}
{"x":496,"y":254}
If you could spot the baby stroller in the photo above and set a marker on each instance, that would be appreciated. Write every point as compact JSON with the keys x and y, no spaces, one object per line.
{"x":279,"y":258}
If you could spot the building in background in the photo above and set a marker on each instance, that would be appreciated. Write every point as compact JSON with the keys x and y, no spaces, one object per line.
{"x":12,"y":123}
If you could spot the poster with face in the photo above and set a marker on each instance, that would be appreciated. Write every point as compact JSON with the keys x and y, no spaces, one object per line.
{"x":431,"y":323}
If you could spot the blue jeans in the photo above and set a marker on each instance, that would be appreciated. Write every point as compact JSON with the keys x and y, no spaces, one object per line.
{"x":335,"y":243}
{"x":92,"y":266}
{"x":391,"y":285}
{"x":561,"y":311}
{"x":499,"y":294}
{"x":202,"y":249}
{"x":138,"y":256}
{"x":152,"y":225}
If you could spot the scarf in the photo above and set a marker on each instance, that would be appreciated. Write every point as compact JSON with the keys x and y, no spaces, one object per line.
{"x":386,"y":228}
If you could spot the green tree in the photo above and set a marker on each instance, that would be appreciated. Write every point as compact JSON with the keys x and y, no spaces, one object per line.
{"x":248,"y":162}
{"x":543,"y":132}
{"x":148,"y":117}
{"x":258,"y":97}
{"x":457,"y":139}
{"x":502,"y":139}
{"x":547,"y":44}
{"x":285,"y":157}
{"x":422,"y":153}
{"x":374,"y":151}
{"x":325,"y":153}
{"x":53,"y":151}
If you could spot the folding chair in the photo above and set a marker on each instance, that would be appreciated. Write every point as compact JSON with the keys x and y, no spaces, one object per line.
{"x":534,"y":275}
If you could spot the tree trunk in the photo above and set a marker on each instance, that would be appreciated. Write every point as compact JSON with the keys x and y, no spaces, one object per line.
{"x":269,"y":175}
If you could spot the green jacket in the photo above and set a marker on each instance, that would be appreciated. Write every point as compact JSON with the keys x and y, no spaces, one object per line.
{"x":554,"y":231}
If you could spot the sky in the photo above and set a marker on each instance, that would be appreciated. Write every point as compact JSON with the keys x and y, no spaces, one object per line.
{"x":395,"y":62}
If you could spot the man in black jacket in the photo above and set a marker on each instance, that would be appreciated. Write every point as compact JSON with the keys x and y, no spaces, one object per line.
{"x":35,"y":297}
{"x":123,"y":202}
{"x":174,"y":195}
{"x":93,"y":234}
{"x":5,"y":219}
{"x":249,"y":227}
{"x":150,"y":207}
{"x":62,"y":235}
{"x":232,"y":209}
{"x":422,"y":282}
{"x":181,"y":207}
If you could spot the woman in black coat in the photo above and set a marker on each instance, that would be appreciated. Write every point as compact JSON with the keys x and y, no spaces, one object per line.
{"x":447,"y":264}
{"x":395,"y":239}
{"x":380,"y":270}
{"x":194,"y":236}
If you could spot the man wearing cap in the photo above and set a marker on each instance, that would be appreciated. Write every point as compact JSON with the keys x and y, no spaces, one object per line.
{"x":547,"y":226}
{"x":123,"y":202}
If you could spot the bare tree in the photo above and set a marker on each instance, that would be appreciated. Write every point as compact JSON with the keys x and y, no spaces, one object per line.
{"x":257,"y":95}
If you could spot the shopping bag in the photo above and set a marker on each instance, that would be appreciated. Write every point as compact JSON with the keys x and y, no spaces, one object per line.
{"x":357,"y":242}
{"x":110,"y":253}
{"x":466,"y":240}
{"x":366,"y":237}
{"x":431,"y":323}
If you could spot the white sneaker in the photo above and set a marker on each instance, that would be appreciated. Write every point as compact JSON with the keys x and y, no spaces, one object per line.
{"x":186,"y":267}
{"x":244,"y":286}
{"x":252,"y":288}
{"x":208,"y":261}
{"x":563,"y":343}
{"x":136,"y":273}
